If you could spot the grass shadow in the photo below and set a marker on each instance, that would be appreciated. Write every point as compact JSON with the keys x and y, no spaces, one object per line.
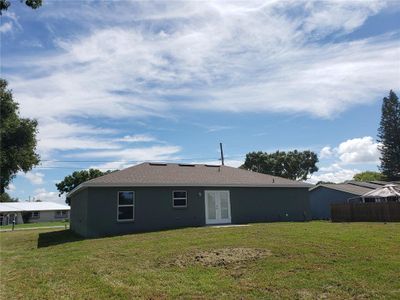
{"x":52,"y":238}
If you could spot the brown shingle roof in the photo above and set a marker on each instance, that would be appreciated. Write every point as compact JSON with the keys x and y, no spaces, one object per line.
{"x":158,"y":174}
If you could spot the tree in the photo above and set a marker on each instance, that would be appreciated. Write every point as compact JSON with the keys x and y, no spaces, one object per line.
{"x":17,"y":139}
{"x":294,"y":165}
{"x":5,"y":4}
{"x":76,"y":178}
{"x":368,"y":176}
{"x":389,"y":137}
{"x":5,"y":197}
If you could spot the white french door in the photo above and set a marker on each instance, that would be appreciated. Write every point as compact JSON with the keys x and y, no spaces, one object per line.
{"x":218,"y":207}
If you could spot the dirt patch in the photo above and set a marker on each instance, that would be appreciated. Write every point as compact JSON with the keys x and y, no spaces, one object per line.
{"x":220,"y":257}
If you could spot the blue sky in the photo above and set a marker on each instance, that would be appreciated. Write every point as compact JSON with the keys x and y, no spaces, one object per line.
{"x":116,"y":83}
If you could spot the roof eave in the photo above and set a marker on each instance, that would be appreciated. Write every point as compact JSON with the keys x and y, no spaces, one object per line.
{"x":125,"y":184}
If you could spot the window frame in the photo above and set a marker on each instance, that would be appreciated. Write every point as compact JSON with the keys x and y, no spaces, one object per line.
{"x":33,"y":216}
{"x":179,"y":198}
{"x":63,"y":214}
{"x":126,"y":205}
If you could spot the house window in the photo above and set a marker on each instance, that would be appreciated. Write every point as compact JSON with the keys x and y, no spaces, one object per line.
{"x":125,"y":206}
{"x":179,"y":199}
{"x":369,"y":200}
{"x":35,"y":214}
{"x":61,"y":214}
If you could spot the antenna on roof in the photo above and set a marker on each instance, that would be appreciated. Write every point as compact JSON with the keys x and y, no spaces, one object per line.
{"x":222,"y":154}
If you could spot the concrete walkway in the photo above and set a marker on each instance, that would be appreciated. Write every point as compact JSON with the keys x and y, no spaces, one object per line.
{"x":227,"y":225}
{"x":33,"y":228}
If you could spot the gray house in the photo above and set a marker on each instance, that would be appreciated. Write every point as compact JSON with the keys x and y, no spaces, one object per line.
{"x":156,"y":196}
{"x":323,"y":195}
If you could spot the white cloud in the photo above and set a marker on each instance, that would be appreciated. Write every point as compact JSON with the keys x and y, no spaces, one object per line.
{"x":9,"y":22}
{"x":353,"y":151}
{"x":61,"y":136}
{"x":140,"y":154}
{"x":342,"y":16}
{"x":57,"y":135}
{"x":115,"y":165}
{"x":10,"y":188}
{"x":333,"y":173}
{"x":5,"y":27}
{"x":359,"y":150}
{"x":129,"y":156}
{"x":278,"y":66}
{"x":35,"y":178}
{"x":222,"y":56}
{"x":44,"y":195}
{"x":138,"y":138}
{"x":40,"y":190}
{"x":326,"y":152}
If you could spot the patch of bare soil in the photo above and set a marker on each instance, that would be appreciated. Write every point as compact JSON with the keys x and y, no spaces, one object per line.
{"x":221,"y":257}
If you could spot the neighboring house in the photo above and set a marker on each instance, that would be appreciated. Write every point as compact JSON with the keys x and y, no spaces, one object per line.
{"x":32,"y":212}
{"x":323,"y":195}
{"x":386,"y":193}
{"x":156,"y":196}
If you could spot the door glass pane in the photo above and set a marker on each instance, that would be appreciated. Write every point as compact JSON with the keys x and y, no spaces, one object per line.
{"x":224,"y":205}
{"x":211,"y":209}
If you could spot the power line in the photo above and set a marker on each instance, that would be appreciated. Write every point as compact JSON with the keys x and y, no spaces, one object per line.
{"x":119,"y":161}
{"x":133,"y":161}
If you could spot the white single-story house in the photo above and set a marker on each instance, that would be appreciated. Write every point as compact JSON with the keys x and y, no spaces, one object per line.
{"x":32,"y":212}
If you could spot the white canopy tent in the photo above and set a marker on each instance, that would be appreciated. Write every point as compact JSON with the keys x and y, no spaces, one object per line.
{"x":389,"y":192}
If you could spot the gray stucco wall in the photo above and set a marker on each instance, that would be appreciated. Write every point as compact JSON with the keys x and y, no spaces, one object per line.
{"x":154,"y":211}
{"x":321,"y":199}
{"x":78,"y":212}
{"x":269,"y":204}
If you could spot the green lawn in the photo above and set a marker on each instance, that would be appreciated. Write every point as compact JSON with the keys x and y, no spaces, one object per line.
{"x":30,"y":225}
{"x":301,"y":260}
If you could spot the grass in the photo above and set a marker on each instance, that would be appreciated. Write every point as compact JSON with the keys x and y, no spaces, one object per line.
{"x":306,"y":261}
{"x":32,"y":225}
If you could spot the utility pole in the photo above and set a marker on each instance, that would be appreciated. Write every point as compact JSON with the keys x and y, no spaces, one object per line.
{"x":222,"y":153}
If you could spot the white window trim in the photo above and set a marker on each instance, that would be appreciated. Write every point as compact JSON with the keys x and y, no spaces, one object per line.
{"x":63,"y":214}
{"x":126,"y":205}
{"x":33,"y":214}
{"x":173,"y":198}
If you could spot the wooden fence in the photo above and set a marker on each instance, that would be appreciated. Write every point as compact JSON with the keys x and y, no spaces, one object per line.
{"x":366,"y":212}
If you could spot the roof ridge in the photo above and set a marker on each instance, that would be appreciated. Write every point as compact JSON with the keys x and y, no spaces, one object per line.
{"x":273,"y":176}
